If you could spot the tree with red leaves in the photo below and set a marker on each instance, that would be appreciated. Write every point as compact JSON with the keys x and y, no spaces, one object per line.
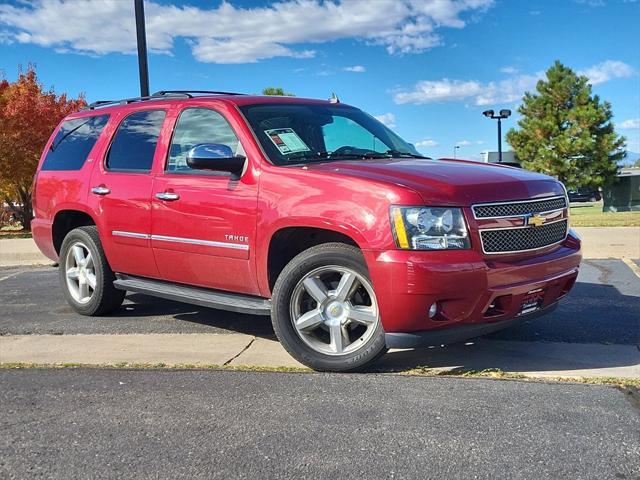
{"x":28,"y":116}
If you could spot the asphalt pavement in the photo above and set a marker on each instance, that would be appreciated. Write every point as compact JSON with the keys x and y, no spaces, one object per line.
{"x":603,"y":308}
{"x":91,"y":423}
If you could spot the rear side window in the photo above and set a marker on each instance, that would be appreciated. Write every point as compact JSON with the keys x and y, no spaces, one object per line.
{"x":134,"y":143}
{"x":73,"y":142}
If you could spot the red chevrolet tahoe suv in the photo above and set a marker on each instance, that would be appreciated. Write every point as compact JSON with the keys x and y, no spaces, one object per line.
{"x":310,"y":211}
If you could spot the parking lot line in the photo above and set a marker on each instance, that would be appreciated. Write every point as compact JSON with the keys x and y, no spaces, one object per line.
{"x":632,"y":265}
{"x":6,"y":277}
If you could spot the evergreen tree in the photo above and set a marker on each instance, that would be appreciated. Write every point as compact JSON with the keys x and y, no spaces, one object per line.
{"x":278,"y":91}
{"x":566,"y":132}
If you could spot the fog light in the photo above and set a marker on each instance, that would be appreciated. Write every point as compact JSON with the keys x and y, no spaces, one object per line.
{"x":433,"y":309}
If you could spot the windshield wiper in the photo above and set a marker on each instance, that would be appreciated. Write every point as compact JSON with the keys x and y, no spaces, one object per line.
{"x":398,"y":153}
{"x":322,"y":157}
{"x":329,"y":156}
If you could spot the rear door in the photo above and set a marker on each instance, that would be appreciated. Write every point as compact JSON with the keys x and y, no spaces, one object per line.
{"x":120,"y":191}
{"x":204,"y":222}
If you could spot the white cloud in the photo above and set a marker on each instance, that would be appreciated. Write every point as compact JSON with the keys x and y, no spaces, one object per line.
{"x":230,"y":34}
{"x":632,"y":123}
{"x":463,"y":143}
{"x":590,"y":3}
{"x":389,"y":119}
{"x":509,"y":70}
{"x":444,"y":90}
{"x":608,"y":70}
{"x":355,"y":69}
{"x":429,"y":143}
{"x":510,"y":89}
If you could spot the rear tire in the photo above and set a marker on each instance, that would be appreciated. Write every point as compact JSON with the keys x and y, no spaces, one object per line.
{"x":85,"y":275}
{"x":324,"y":310}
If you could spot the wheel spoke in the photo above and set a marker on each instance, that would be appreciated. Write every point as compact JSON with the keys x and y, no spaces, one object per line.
{"x":339,"y":338}
{"x":88,"y":260}
{"x":316,"y":289}
{"x":73,"y":273}
{"x":84,"y":290}
{"x":346,"y":286}
{"x":309,"y":320}
{"x":91,"y":280}
{"x":78,"y":254}
{"x":363,"y":315}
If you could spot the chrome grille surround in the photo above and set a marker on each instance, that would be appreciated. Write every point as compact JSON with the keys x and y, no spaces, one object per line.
{"x":519,"y":208}
{"x":520,"y":235}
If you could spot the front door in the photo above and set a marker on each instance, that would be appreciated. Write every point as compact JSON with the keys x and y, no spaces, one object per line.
{"x":121,"y":187}
{"x":203,"y":222}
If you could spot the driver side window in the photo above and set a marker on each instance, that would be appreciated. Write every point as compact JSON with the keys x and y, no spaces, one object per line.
{"x":194,"y":127}
{"x":345,"y":132}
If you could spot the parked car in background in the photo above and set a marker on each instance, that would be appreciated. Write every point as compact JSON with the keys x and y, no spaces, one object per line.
{"x":584,"y":194}
{"x":310,"y":211}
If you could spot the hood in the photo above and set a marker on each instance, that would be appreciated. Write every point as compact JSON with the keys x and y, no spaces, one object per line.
{"x":450,"y":182}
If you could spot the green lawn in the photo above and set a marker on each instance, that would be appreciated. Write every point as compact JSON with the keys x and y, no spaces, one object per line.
{"x":591,"y":215}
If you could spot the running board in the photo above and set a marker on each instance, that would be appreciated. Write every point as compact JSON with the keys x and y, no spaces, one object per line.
{"x":234,"y":302}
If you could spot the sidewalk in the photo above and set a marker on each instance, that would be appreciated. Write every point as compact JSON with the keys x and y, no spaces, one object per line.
{"x":16,"y":252}
{"x":597,"y":242}
{"x":537,"y":359}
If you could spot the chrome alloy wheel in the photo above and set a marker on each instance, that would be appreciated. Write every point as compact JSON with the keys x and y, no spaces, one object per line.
{"x":334,"y":310}
{"x":80,"y":272}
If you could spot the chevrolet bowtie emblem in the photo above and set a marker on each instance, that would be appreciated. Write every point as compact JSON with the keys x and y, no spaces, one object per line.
{"x":536,"y":220}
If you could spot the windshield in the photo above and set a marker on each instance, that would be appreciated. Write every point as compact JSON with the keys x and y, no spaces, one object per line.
{"x":299,"y":133}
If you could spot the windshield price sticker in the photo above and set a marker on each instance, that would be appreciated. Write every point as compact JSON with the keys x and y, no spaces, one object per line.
{"x":287,"y":141}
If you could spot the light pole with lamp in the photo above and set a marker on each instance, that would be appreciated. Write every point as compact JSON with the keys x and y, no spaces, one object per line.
{"x":505,"y":113}
{"x":454,"y":151}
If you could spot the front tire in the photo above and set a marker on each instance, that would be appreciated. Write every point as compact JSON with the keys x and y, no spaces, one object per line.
{"x":85,"y":275}
{"x":325,"y":312}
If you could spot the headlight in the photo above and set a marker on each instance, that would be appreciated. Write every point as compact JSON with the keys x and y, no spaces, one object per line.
{"x":429,"y":228}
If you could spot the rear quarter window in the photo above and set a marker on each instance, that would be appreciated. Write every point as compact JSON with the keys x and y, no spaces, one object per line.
{"x":134,"y":143}
{"x":73,"y":143}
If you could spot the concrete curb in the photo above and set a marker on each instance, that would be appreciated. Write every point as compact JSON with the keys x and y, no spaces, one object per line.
{"x":537,"y":359}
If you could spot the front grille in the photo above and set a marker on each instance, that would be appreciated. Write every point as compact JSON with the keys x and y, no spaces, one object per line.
{"x":513,"y":209}
{"x":509,"y":240}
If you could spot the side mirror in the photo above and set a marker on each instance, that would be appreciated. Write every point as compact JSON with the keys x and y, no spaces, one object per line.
{"x":216,"y":156}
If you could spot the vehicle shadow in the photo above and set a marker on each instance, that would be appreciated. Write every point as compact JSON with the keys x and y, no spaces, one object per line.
{"x":595,"y":315}
{"x":595,"y":327}
{"x":140,"y":305}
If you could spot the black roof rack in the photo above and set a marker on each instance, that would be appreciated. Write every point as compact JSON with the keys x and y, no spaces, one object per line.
{"x":156,"y":96}
{"x":191,"y":92}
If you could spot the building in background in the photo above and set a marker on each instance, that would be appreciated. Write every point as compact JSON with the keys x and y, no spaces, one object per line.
{"x":624,"y":194}
{"x":508,"y":158}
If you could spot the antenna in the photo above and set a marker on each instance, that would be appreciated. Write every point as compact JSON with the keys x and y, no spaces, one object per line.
{"x":334,"y":98}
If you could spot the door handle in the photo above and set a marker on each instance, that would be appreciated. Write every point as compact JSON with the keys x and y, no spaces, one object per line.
{"x":167,"y":196}
{"x":101,"y":190}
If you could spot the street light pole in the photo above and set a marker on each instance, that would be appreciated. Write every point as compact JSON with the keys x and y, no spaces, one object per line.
{"x":499,"y":139}
{"x":141,"y":34}
{"x":502,"y":115}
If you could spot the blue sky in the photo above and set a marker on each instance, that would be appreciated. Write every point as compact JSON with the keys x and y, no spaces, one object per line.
{"x":427,"y":68}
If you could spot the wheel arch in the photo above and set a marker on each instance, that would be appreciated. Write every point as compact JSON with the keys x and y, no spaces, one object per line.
{"x":66,"y":220}
{"x":287,"y":242}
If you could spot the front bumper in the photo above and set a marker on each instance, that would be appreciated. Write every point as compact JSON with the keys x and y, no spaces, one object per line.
{"x":475,"y":294}
{"x":460,"y":333}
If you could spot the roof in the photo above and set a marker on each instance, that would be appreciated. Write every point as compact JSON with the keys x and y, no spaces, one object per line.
{"x":185,"y":96}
